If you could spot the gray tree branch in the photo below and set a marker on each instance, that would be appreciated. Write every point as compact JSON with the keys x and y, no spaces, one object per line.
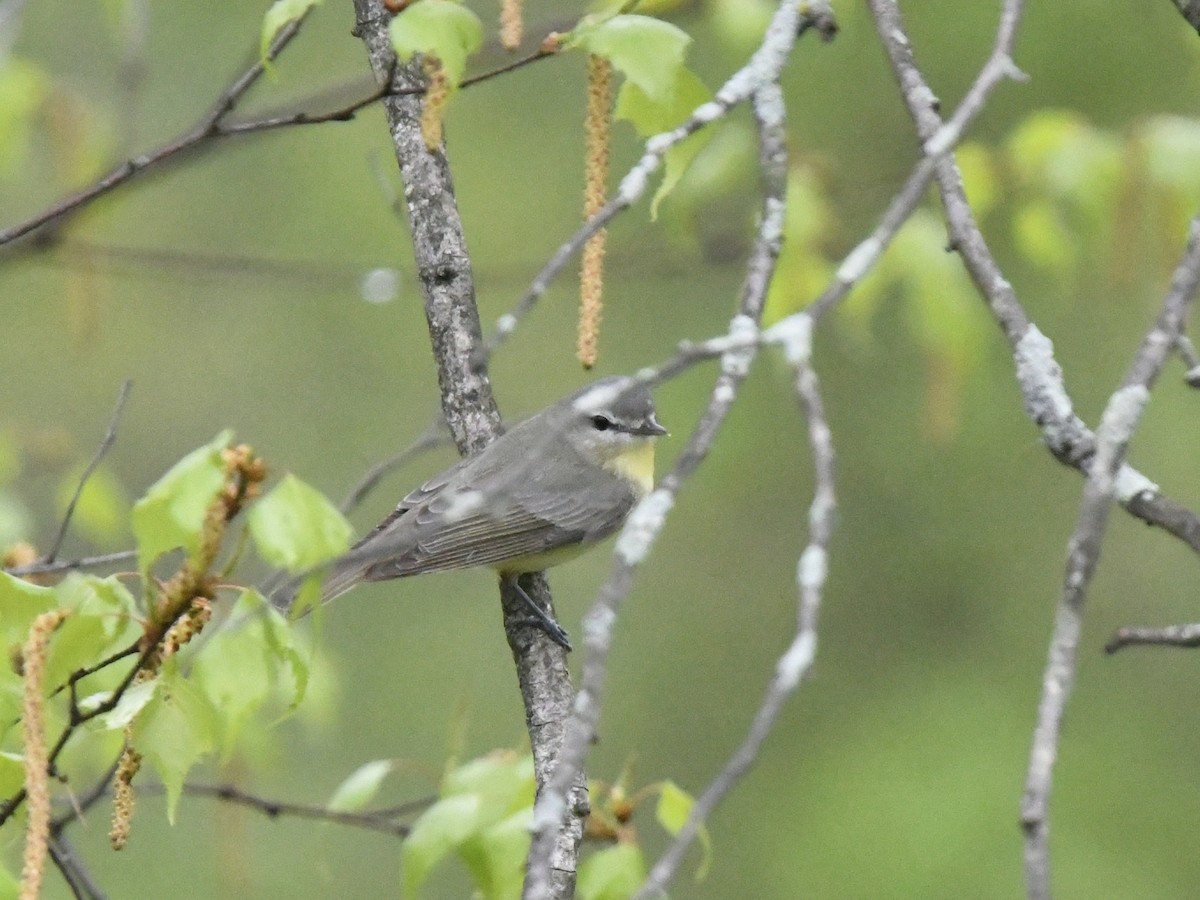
{"x":444,"y":271}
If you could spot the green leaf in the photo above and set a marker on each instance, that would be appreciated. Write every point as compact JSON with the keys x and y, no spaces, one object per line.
{"x":435,"y":835}
{"x":21,"y":603}
{"x":23,"y":90}
{"x":741,"y":23}
{"x":132,"y":702}
{"x":474,"y":817}
{"x":277,"y":17}
{"x":674,"y":806}
{"x":648,"y":52}
{"x":496,"y":856}
{"x":10,"y":889}
{"x":361,"y":787}
{"x":15,"y":521}
{"x":172,"y":512}
{"x":1172,"y":148}
{"x":650,"y":117}
{"x":103,"y":507}
{"x":12,"y":773}
{"x":440,"y":28}
{"x":613,"y":873}
{"x":243,"y":667}
{"x":1041,"y":234}
{"x":503,"y":779}
{"x":174,"y":731}
{"x":296,"y":528}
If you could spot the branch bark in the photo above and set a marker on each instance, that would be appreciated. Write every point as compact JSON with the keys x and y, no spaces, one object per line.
{"x":444,"y":271}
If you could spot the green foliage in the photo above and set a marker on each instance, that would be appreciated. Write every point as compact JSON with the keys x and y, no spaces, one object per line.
{"x":674,"y":806}
{"x":440,"y":28}
{"x":613,"y":873}
{"x":276,"y":18}
{"x":296,"y":528}
{"x":361,"y":786}
{"x":102,"y":512}
{"x":647,"y":51}
{"x":659,"y":91}
{"x":23,"y":88}
{"x":176,"y":728}
{"x":482,"y":815}
{"x":172,"y":512}
{"x":203,"y":698}
{"x":254,"y":660}
{"x":650,"y":118}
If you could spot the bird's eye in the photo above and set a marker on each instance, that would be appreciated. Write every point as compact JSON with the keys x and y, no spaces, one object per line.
{"x":601,"y":423}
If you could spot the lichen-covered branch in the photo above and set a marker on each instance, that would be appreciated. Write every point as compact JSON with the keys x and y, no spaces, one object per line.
{"x":444,"y":271}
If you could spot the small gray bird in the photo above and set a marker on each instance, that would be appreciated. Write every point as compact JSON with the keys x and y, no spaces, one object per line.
{"x":538,"y":495}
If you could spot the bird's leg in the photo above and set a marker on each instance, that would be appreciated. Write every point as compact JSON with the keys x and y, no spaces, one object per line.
{"x":540,"y":616}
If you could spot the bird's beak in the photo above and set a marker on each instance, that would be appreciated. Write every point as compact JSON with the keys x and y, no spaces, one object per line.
{"x":650,"y":427}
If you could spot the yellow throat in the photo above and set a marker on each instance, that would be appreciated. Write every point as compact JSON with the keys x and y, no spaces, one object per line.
{"x":635,"y":465}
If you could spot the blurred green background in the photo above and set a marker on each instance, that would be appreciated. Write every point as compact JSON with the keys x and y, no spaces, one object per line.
{"x":897,"y":770}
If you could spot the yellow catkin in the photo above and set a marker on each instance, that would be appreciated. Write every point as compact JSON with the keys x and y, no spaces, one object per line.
{"x":37,"y":760}
{"x":437,"y":94}
{"x":512,"y":26}
{"x":598,"y":138}
{"x":123,"y":795}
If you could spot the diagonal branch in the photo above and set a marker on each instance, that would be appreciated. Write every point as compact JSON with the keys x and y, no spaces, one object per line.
{"x":110,"y":435}
{"x":207,"y":128}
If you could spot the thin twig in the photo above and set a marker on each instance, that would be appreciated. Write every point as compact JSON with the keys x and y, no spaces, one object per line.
{"x":1169,"y":636}
{"x":213,"y":127}
{"x":207,"y":128}
{"x":433,"y":436}
{"x":73,"y":871}
{"x":796,"y":662}
{"x":381,"y":820}
{"x":110,"y":437}
{"x":67,"y":565}
{"x":1121,"y":417}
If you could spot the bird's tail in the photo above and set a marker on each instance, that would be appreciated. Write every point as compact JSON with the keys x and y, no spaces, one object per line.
{"x":344,"y":574}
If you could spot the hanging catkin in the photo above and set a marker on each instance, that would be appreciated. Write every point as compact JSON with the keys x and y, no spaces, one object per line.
{"x":598,"y":132}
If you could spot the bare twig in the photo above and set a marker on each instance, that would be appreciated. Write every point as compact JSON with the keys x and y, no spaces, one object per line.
{"x":1169,"y":636}
{"x":647,"y":519}
{"x":796,"y":662}
{"x":1101,"y":456}
{"x":105,"y":445}
{"x":73,"y":871}
{"x":1121,"y":417}
{"x":214,"y":127}
{"x":381,"y":820}
{"x":207,"y":128}
{"x":68,"y":565}
{"x":432,"y":436}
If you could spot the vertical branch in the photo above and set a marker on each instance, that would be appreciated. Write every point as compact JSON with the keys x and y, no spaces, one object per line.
{"x":1121,"y":417}
{"x":447,"y":284}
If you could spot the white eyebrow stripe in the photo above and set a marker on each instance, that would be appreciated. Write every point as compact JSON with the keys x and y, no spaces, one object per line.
{"x":600,"y":396}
